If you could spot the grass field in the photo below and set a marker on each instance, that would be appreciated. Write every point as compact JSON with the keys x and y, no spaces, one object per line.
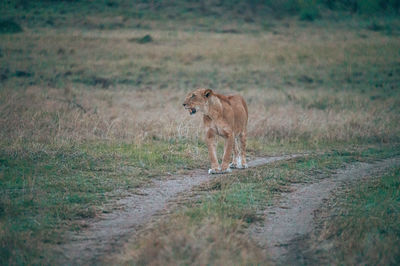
{"x":90,"y":108}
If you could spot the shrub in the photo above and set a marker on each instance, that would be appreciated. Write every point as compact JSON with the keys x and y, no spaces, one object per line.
{"x":9,"y":26}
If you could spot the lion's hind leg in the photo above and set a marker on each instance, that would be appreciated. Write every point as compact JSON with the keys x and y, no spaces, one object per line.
{"x":243,"y":150}
{"x":237,"y":160}
{"x":234,"y":162}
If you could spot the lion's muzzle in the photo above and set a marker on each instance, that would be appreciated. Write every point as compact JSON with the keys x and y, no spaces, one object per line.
{"x":192,"y":110}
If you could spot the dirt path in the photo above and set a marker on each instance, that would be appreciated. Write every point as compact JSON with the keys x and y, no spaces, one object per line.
{"x":105,"y":235}
{"x":290,"y":220}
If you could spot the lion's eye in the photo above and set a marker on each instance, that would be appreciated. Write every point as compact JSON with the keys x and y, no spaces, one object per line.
{"x":193,"y":96}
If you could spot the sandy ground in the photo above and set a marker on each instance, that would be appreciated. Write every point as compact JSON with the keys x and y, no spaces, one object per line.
{"x":106,"y":234}
{"x":290,"y":220}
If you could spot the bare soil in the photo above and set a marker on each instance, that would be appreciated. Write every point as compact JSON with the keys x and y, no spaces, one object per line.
{"x":290,"y":220}
{"x":107,"y":233}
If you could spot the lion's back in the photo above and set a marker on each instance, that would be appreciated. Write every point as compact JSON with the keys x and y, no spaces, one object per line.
{"x":240,"y":111}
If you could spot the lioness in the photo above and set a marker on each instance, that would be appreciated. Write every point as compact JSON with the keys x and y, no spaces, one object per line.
{"x":225,"y":116}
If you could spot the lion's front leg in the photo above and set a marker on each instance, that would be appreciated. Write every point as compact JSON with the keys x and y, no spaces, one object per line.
{"x":212,"y":151}
{"x":229,"y":142}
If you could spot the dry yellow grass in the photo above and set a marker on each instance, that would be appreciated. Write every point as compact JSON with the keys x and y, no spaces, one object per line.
{"x":50,"y":115}
{"x":184,"y":241}
{"x":291,"y":81}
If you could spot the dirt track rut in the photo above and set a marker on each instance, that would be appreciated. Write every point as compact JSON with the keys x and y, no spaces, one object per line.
{"x":291,"y":218}
{"x":106,"y":234}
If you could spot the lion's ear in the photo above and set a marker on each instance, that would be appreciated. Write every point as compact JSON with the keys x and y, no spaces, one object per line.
{"x":207,"y":93}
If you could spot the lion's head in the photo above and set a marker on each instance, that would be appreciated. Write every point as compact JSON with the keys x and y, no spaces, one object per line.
{"x":197,"y":100}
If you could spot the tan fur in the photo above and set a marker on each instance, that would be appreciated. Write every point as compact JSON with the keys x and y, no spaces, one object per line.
{"x":225,"y":116}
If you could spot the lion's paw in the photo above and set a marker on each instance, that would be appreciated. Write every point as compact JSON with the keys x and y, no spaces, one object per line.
{"x":213,"y":171}
{"x":238,"y":166}
{"x":227,"y":170}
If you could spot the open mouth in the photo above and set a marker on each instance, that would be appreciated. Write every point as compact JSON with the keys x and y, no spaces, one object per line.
{"x":192,"y":111}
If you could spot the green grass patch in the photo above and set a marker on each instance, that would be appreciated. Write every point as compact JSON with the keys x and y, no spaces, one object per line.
{"x":46,"y":190}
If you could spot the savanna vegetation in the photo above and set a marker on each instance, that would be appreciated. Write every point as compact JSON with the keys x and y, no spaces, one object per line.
{"x":91,"y":95}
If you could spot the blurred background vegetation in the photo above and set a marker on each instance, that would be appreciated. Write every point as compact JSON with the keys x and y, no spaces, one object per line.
{"x":57,"y":12}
